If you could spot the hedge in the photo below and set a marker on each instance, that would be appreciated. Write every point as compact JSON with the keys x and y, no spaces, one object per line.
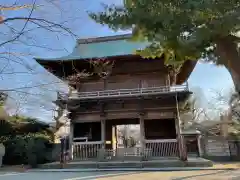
{"x":26,"y":142}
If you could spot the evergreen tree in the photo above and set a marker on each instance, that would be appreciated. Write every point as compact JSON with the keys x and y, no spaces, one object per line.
{"x":182,"y":30}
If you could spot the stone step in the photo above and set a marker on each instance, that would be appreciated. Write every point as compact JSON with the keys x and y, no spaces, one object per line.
{"x":164,"y":163}
{"x":119,"y":165}
{"x":203,"y":163}
{"x":70,"y":165}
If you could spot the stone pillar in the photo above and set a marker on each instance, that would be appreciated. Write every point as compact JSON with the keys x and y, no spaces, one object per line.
{"x":142,"y":132}
{"x":71,"y":140}
{"x":180,"y":138}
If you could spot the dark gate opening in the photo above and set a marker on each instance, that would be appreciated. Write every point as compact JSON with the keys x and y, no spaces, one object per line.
{"x":89,"y":130}
{"x":192,"y":145}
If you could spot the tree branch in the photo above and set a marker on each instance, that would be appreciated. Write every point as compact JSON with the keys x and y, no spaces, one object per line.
{"x":25,"y":25}
{"x":34,"y":21}
{"x":7,"y":8}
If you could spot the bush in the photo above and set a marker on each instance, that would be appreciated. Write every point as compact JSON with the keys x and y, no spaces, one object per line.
{"x":37,"y":151}
{"x":29,"y":149}
{"x":26,"y":140}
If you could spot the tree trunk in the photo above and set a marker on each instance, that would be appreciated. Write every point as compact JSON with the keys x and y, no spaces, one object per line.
{"x":229,"y":57}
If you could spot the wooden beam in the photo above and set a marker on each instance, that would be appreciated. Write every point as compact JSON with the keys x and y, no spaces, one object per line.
{"x":71,"y":140}
{"x":142,"y":131}
{"x":131,"y":110}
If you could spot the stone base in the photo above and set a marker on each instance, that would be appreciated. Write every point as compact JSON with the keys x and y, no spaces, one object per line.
{"x":223,"y":158}
{"x":161,"y":163}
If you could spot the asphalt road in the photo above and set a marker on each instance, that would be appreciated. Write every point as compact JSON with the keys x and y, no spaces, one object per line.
{"x":175,"y":175}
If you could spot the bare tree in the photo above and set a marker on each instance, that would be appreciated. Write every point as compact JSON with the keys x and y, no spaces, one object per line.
{"x":234,"y":104}
{"x":191,"y":113}
{"x":228,"y":104}
{"x":196,"y":117}
{"x":19,"y":35}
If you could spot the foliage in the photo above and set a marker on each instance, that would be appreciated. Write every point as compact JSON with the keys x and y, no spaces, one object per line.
{"x":3,"y":97}
{"x":181,"y":30}
{"x":27,"y":141}
{"x":188,"y":106}
{"x":3,"y":113}
{"x":234,"y":106}
{"x":17,"y":125}
{"x":234,"y":103}
{"x":26,"y":149}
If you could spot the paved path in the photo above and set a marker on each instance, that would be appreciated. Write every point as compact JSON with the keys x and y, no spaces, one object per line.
{"x":174,"y":175}
{"x":181,"y":175}
{"x":59,"y":175}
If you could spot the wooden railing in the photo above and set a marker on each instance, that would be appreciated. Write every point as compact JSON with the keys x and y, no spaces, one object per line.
{"x":128,"y":92}
{"x":121,"y":154}
{"x":86,"y":150}
{"x":161,"y":148}
{"x":153,"y":149}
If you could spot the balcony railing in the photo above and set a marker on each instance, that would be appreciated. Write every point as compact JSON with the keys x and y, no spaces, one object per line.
{"x":129,"y":92}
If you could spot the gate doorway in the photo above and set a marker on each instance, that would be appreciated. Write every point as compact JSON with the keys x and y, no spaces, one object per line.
{"x":128,"y":136}
{"x":123,"y":139}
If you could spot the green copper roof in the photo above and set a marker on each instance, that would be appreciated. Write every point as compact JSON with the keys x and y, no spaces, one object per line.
{"x":102,"y":47}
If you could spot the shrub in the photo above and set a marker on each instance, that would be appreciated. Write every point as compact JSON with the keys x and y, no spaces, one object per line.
{"x":27,"y":141}
{"x":29,"y":149}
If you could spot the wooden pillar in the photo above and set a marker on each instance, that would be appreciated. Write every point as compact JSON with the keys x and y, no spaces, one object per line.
{"x":181,"y":143}
{"x":103,"y":130}
{"x":142,"y":131}
{"x":180,"y":138}
{"x":71,"y":129}
{"x":200,"y":150}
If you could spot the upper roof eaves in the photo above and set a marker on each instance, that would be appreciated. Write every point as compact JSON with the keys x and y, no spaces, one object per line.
{"x":104,"y":39}
{"x":101,"y":47}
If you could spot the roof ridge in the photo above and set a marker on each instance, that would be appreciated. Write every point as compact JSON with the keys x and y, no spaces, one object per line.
{"x":104,"y":38}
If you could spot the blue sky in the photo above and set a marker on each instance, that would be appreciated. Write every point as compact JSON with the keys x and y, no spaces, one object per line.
{"x":34,"y":88}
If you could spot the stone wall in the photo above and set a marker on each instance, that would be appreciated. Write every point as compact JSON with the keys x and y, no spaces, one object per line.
{"x":215,"y":147}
